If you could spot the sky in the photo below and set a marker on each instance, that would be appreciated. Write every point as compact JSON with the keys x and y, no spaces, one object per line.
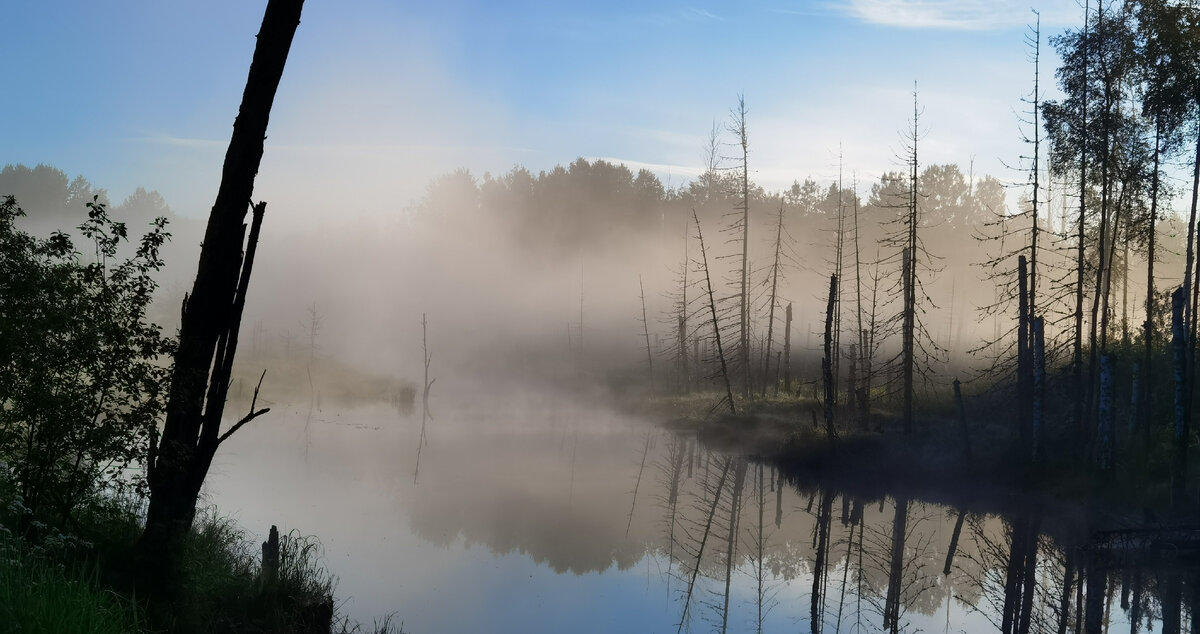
{"x":378,"y":97}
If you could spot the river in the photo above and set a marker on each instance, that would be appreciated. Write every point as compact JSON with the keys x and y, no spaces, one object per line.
{"x":539,"y":512}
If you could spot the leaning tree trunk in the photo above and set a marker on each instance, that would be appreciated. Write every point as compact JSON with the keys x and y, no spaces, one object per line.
{"x":211,"y":314}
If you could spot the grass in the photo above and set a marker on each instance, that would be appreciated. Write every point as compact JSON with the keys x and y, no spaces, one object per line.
{"x":41,"y":593}
{"x":68,"y":583}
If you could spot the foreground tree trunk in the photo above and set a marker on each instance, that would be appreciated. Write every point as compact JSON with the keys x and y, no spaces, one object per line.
{"x":211,"y":315}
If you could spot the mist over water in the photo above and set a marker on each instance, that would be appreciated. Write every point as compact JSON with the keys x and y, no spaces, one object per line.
{"x":535,"y":510}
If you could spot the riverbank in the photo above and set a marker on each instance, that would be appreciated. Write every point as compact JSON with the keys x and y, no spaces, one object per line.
{"x":57,"y":579}
{"x":978,"y":465}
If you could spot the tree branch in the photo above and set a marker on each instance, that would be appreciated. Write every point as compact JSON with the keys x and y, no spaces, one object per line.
{"x":249,"y":416}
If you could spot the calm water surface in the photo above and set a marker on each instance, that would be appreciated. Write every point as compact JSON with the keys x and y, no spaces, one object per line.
{"x":540,"y":513}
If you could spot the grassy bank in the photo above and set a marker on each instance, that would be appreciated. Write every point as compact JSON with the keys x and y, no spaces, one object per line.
{"x":942,"y":459}
{"x":54,"y":580}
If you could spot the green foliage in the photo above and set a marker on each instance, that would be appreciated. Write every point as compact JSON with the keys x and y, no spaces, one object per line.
{"x":81,"y":383}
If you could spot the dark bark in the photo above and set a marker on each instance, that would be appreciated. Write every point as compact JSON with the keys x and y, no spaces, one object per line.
{"x":1039,"y":383}
{"x":1024,"y":358}
{"x":1104,"y":420}
{"x":1144,"y":409}
{"x":1064,"y":604}
{"x":1097,"y":580}
{"x":958,"y":524}
{"x":827,"y":362}
{"x":820,"y":564}
{"x":1077,"y":351}
{"x":212,"y":313}
{"x":787,"y":350}
{"x":891,"y":609}
{"x":1179,"y":346}
{"x":712,"y":308}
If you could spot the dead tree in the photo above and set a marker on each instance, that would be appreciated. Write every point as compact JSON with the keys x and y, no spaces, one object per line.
{"x":208,"y":332}
{"x":737,"y":126}
{"x":1179,"y":347}
{"x":787,"y":350}
{"x":827,"y":361}
{"x":426,"y":414}
{"x":716,"y":325}
{"x":773,"y":301}
{"x":646,"y":334}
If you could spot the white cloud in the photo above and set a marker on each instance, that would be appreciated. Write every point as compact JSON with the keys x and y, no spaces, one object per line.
{"x":970,"y":15}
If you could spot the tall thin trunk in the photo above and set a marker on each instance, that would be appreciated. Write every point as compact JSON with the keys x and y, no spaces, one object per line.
{"x":1097,"y":580}
{"x":827,"y":361}
{"x":1179,"y":347}
{"x":839,"y":251}
{"x":820,"y":565}
{"x":704,"y":535}
{"x":684,"y":366}
{"x":1095,"y":340}
{"x":211,"y":316}
{"x":646,"y":334}
{"x":739,"y":124}
{"x":1077,"y":354}
{"x":712,"y":307}
{"x":1064,"y":603}
{"x":891,"y":610}
{"x":787,"y":350}
{"x":910,"y":279}
{"x":1033,"y":241}
{"x":739,"y":479}
{"x":774,"y":296}
{"x":1145,"y":409}
{"x":1039,"y":384}
{"x":1024,"y":361}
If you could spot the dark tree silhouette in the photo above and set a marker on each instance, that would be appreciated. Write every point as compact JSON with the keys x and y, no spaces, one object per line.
{"x":211,"y":315}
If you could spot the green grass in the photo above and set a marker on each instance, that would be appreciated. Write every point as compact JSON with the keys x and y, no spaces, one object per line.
{"x":40,"y":594}
{"x":76,"y":581}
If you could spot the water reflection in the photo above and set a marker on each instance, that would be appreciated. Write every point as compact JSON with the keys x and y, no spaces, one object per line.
{"x":534,"y":513}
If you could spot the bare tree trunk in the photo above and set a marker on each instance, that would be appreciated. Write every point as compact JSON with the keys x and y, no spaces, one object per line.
{"x":1039,"y":384}
{"x":891,"y":609}
{"x":1064,"y":604}
{"x":1147,"y":383}
{"x":1179,"y":346}
{"x":712,"y":307}
{"x":827,"y":362}
{"x":1024,"y":365}
{"x":646,"y":334}
{"x":1077,"y":354}
{"x":774,"y":296}
{"x":739,"y":479}
{"x":820,"y":566}
{"x":211,"y":315}
{"x":739,"y":128}
{"x":1104,"y":423}
{"x":787,"y":350}
{"x":958,"y":524}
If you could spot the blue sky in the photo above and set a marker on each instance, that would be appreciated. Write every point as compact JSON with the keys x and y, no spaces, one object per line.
{"x":378,"y":97}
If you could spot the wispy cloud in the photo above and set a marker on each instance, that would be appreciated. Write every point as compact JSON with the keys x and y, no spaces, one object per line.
{"x":176,"y":141}
{"x":960,"y":15}
{"x":698,"y":14}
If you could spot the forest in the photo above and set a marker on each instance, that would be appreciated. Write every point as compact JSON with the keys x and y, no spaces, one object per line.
{"x":1012,"y":357}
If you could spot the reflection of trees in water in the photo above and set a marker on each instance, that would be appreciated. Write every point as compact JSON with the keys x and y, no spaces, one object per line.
{"x":901,"y":552}
{"x":727,"y":559}
{"x":1027,"y":582}
{"x":1005,"y":562}
{"x":695,"y":536}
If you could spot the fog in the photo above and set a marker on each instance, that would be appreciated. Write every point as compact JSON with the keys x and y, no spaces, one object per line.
{"x":518,"y":304}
